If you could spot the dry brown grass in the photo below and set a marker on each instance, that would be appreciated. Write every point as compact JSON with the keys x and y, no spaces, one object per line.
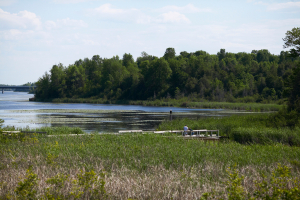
{"x":121,"y":183}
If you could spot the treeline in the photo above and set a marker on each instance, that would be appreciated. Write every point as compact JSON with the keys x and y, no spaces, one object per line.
{"x":258,"y":76}
{"x":31,"y":90}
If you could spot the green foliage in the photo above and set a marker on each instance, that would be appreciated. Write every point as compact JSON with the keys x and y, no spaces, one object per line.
{"x":26,"y":188}
{"x":78,"y":173}
{"x":1,"y":122}
{"x":89,"y":185}
{"x":281,"y":185}
{"x":17,"y":136}
{"x":234,"y":185}
{"x":265,"y":136}
{"x":292,"y":39}
{"x":170,"y":53}
{"x":230,"y":77}
{"x":51,"y":159}
{"x":284,"y":118}
{"x":294,"y":91}
{"x":57,"y":183}
{"x":64,"y":130}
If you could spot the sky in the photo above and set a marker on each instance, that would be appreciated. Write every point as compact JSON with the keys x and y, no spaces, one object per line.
{"x":37,"y":34}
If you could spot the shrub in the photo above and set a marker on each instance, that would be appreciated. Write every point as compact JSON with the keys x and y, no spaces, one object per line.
{"x":281,"y":185}
{"x":265,"y":136}
{"x":26,"y":188}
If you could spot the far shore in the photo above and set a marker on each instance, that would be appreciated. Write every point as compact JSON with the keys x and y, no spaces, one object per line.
{"x":184,"y":103}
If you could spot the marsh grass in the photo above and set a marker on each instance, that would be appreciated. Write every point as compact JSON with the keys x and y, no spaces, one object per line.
{"x":65,"y":130}
{"x":183,"y":102}
{"x":137,"y":166}
{"x":245,"y":129}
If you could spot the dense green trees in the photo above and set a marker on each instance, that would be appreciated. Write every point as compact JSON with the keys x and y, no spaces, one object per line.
{"x":292,"y":39}
{"x":256,"y":76}
{"x":290,"y":115}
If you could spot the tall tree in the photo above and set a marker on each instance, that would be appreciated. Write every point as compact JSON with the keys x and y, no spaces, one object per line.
{"x":170,"y":53}
{"x":292,"y":39}
{"x":221,"y":54}
{"x":43,"y":87}
{"x":157,"y":77}
{"x":58,"y":85}
{"x":127,"y":59}
{"x":263,"y":55}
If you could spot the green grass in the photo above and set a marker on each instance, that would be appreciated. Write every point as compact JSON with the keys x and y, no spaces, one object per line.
{"x":184,"y":102}
{"x":245,"y":129}
{"x":49,"y":130}
{"x":256,"y":161}
{"x":140,"y":152}
{"x":138,"y":165}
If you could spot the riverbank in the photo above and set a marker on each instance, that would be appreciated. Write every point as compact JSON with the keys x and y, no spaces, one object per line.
{"x":185,"y":103}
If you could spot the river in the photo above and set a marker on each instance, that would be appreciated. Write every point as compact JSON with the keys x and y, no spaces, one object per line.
{"x":16,"y":110}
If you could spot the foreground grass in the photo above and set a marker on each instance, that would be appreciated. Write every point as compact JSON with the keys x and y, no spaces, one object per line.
{"x":136,"y":166}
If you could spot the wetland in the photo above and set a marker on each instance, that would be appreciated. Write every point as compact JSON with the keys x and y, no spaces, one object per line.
{"x":17,"y":111}
{"x":256,"y":162}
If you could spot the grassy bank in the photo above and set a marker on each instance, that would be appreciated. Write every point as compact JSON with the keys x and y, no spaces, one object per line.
{"x":184,"y":102}
{"x":48,"y":130}
{"x":135,"y":166}
{"x":245,"y":129}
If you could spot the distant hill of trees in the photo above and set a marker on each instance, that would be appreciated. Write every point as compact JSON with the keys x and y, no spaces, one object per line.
{"x":19,"y":89}
{"x":256,"y":77}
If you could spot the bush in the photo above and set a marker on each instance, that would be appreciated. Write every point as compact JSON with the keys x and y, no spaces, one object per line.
{"x":281,"y":185}
{"x":265,"y":136}
{"x":284,"y":118}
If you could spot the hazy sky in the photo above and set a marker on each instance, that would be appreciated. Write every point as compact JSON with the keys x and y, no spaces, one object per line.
{"x":36,"y":34}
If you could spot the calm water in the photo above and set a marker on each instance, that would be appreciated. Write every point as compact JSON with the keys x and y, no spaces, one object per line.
{"x":17,"y":111}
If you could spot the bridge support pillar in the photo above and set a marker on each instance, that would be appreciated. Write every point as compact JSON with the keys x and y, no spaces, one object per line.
{"x":2,"y":90}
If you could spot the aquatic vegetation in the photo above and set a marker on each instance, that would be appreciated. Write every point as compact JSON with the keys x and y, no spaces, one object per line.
{"x":103,"y":120}
{"x":184,"y":102}
{"x":71,"y":111}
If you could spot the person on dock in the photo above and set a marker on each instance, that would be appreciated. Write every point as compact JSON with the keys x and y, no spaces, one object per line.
{"x":191,"y":130}
{"x":185,"y":129}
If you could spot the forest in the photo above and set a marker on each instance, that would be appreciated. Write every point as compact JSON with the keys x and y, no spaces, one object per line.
{"x":258,"y":76}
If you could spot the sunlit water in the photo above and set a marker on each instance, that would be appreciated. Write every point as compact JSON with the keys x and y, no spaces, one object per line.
{"x":18,"y":111}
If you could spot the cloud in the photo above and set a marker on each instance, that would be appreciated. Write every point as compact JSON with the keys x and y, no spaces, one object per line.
{"x":281,"y":6}
{"x":107,"y":9}
{"x":69,"y":1}
{"x":277,"y":6}
{"x":174,"y":17}
{"x":15,"y":34}
{"x":189,"y":8}
{"x":65,"y":23}
{"x":6,"y":2}
{"x":245,"y":37}
{"x":23,"y":19}
{"x":108,"y":12}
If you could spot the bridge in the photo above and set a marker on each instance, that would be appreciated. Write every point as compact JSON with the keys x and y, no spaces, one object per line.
{"x":16,"y":87}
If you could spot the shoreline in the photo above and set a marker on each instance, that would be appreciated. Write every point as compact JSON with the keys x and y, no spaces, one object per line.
{"x":181,"y":103}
